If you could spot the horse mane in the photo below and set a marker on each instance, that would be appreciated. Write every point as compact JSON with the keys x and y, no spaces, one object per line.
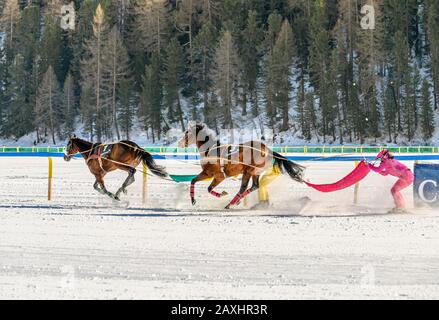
{"x":82,"y":145}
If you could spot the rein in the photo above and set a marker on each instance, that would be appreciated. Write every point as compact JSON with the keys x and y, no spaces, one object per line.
{"x":213,"y":147}
{"x":111,"y":160}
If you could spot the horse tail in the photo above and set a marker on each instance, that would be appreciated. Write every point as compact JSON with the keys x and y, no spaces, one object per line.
{"x":152,"y":165}
{"x":294,"y":170}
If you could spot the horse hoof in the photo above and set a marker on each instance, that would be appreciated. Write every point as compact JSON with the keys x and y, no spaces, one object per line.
{"x":194,"y":202}
{"x":224,"y":193}
{"x":227,"y":207}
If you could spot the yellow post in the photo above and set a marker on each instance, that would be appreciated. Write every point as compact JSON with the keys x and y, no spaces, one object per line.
{"x":356,"y":189}
{"x":145,"y":184}
{"x":49,"y":193}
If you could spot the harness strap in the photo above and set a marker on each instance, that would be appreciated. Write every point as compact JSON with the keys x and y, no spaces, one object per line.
{"x":97,"y":155}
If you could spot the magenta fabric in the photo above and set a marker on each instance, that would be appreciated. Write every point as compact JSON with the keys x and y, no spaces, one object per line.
{"x":359,"y":173}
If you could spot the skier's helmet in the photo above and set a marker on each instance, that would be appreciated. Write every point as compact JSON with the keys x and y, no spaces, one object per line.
{"x":385,"y":154}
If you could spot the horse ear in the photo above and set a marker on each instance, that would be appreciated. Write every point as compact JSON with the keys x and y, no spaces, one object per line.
{"x":191,"y":124}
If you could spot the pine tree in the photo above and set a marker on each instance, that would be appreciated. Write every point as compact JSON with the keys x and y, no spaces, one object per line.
{"x":330,"y":110}
{"x":121,"y":9}
{"x":172,"y":82}
{"x":318,"y":45}
{"x":369,"y":61}
{"x":8,"y":21}
{"x":3,"y":85}
{"x":300,"y":109}
{"x":150,"y":24}
{"x":318,"y":61}
{"x":68,"y":107}
{"x":346,"y":31}
{"x":432,"y":8}
{"x":28,"y":33}
{"x":427,"y":114}
{"x":411,"y":94}
{"x":390,"y":112}
{"x":348,"y":27}
{"x":35,"y":81}
{"x":151,"y":98}
{"x":252,"y":37}
{"x":226,"y":76}
{"x":274,"y":27}
{"x":399,"y":70}
{"x":210,"y":11}
{"x":115,"y":67}
{"x":127,"y":110}
{"x":300,"y":10}
{"x":201,"y":73}
{"x":185,"y":18}
{"x":278,"y":76}
{"x":94,"y":85}
{"x":48,"y":99}
{"x":310,"y":122}
{"x":51,"y":45}
{"x":18,"y":112}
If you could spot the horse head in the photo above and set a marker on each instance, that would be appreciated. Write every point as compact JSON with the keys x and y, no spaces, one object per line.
{"x":71,"y":148}
{"x":194,"y":135}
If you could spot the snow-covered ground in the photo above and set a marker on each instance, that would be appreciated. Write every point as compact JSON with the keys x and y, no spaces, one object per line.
{"x":82,"y":245}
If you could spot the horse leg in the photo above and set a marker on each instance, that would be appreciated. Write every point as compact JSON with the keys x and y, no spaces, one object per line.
{"x":100,"y":181}
{"x":202,"y":176}
{"x":128,"y":181}
{"x":255,"y":185}
{"x":242,"y":194}
{"x":216,"y":181}
{"x":96,"y":187}
{"x":242,"y":191}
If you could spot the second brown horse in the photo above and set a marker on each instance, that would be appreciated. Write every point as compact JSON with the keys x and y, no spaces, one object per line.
{"x":218,"y":161}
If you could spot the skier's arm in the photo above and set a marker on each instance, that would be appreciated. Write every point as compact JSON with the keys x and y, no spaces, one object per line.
{"x":381,"y":169}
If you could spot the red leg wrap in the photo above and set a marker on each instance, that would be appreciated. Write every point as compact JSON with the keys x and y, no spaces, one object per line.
{"x":239,"y":197}
{"x":246,"y":193}
{"x":236,"y":199}
{"x":215,"y":194}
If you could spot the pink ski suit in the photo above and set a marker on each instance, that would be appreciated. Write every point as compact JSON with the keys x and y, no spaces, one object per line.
{"x":395,"y":168}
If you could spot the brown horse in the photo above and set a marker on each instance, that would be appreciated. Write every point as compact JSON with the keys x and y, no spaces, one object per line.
{"x":218,"y":161}
{"x":101,"y":159}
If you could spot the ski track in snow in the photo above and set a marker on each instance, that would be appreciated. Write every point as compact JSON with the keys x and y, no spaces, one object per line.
{"x":82,"y":245}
